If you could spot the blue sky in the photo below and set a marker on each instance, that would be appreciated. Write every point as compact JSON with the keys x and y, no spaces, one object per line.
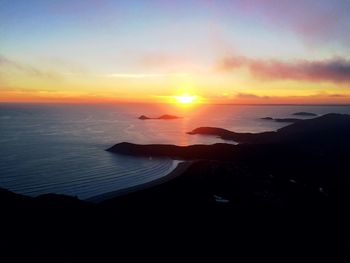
{"x":102,"y":38}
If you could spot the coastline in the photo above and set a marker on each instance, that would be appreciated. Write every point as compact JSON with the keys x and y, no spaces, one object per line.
{"x":181,"y":167}
{"x":291,"y":189}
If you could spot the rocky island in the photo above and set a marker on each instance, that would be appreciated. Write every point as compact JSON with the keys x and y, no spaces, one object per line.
{"x":163,"y":117}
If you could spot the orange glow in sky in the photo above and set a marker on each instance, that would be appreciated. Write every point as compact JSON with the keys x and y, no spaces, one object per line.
{"x":217,"y":52}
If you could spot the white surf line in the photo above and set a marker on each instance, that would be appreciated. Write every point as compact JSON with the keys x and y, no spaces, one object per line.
{"x":181,"y":167}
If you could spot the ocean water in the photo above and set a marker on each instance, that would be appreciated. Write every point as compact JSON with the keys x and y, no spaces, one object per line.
{"x":60,"y":148}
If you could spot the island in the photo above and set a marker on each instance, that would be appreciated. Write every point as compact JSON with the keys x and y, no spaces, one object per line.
{"x":163,"y":117}
{"x":267,"y":118}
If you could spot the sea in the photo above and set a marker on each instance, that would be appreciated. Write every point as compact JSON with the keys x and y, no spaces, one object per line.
{"x":61,"y":148}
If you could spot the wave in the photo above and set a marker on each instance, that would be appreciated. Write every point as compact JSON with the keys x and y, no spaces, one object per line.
{"x":85,"y":184}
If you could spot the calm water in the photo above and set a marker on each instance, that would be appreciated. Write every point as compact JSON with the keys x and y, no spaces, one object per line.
{"x":61,"y":148}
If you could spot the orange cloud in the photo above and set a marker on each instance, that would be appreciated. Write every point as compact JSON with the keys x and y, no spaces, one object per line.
{"x":321,"y":98}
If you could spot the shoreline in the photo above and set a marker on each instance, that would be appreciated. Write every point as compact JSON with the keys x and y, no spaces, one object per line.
{"x":180,"y":168}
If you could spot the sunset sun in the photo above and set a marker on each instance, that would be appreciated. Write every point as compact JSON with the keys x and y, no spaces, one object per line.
{"x":185,"y":98}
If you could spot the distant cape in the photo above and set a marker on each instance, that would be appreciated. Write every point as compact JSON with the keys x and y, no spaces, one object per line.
{"x":327,"y":131}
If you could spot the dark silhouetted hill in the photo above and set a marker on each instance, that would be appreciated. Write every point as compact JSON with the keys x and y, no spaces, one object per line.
{"x":330,"y":127}
{"x":303,"y":113}
{"x":287,"y":120}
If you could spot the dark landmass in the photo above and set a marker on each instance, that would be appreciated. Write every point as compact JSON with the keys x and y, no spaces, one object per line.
{"x":303,"y":113}
{"x":143,"y":117}
{"x":42,"y":202}
{"x":163,"y":117}
{"x":288,"y":120}
{"x":173,"y":151}
{"x":329,"y":127}
{"x":275,"y":191}
{"x":179,"y":170}
{"x":225,"y":134}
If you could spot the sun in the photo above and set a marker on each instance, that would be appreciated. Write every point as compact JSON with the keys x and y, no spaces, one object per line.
{"x":185,"y":98}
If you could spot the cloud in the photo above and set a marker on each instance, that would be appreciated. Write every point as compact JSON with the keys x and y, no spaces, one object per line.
{"x":315,"y":21}
{"x":7,"y":64}
{"x":160,"y":60}
{"x":132,"y":76}
{"x":316,"y":98}
{"x":141,"y":75}
{"x":331,"y":70}
{"x":168,"y":63}
{"x":338,"y":95}
{"x":241,"y":95}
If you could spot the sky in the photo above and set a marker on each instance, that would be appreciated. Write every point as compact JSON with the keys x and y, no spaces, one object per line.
{"x":238,"y":51}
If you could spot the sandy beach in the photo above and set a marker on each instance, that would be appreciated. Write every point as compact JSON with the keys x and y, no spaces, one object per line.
{"x":181,"y":167}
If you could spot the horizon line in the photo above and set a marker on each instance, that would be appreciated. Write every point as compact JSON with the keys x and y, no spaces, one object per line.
{"x":218,"y":104}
